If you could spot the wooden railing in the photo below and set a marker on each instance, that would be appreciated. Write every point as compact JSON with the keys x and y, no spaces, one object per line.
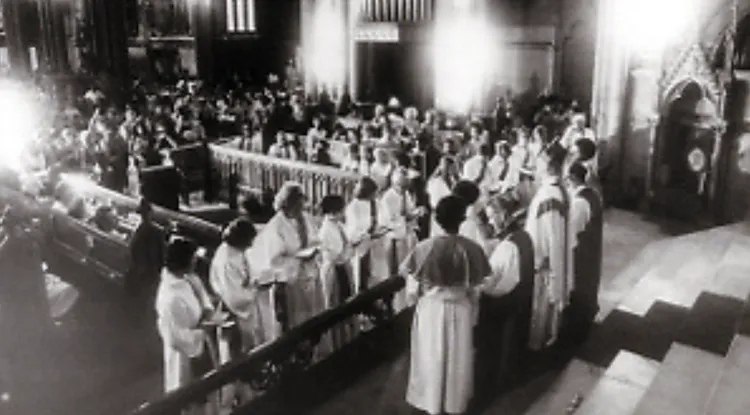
{"x":272,"y":364}
{"x":251,"y":172}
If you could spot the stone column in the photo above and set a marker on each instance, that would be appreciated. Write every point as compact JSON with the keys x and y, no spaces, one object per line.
{"x":52,"y":36}
{"x":17,"y":36}
{"x":205,"y":30}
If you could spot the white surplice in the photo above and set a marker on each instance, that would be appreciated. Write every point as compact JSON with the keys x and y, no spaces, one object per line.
{"x":580,"y":215}
{"x":441,"y":370}
{"x":272,"y":258}
{"x":472,"y":172}
{"x":359,"y":223}
{"x":473,"y":229}
{"x":230,"y":278}
{"x":336,"y":252}
{"x":179,"y":312}
{"x":437,"y":189}
{"x":396,"y":207}
{"x":505,"y":276}
{"x":547,"y":226}
{"x":382,"y":174}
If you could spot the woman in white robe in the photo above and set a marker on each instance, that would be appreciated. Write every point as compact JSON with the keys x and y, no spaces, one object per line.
{"x":398,"y":213}
{"x":369,"y":256}
{"x":184,"y":317}
{"x":231,"y":279}
{"x":443,"y":272}
{"x":439,"y":186}
{"x":284,"y":255}
{"x":335,"y":267}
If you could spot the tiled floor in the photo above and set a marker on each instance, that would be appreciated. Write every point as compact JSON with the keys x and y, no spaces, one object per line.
{"x":105,"y":364}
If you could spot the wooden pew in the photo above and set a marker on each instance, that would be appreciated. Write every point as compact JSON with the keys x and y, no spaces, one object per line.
{"x":259,"y":174}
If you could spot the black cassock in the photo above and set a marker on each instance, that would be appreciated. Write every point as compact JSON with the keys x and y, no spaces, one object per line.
{"x":587,"y":268}
{"x":502,"y":331}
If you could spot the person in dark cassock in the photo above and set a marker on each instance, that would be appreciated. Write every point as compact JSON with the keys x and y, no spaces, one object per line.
{"x":146,"y":258}
{"x":504,"y":310}
{"x":586,"y":222}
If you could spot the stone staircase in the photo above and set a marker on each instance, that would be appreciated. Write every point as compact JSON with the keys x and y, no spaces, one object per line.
{"x":678,"y":344}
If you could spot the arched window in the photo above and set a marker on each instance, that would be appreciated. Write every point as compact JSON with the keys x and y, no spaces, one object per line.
{"x":240,"y":16}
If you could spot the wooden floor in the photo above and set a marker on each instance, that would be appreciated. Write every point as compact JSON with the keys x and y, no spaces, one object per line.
{"x":659,"y":294}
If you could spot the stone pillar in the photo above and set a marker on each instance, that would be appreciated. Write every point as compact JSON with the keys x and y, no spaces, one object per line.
{"x":53,"y":43}
{"x":17,"y":36}
{"x":205,"y":30}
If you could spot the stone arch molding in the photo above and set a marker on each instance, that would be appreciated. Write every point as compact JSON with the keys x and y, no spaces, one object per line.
{"x":674,"y":91}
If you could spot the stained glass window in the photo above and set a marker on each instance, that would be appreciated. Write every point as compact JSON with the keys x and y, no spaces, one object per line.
{"x":240,"y":16}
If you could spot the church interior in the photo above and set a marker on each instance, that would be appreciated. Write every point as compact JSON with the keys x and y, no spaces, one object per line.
{"x":190,"y":118}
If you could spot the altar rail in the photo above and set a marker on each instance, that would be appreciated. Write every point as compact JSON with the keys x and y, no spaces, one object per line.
{"x":252,"y":172}
{"x":273,"y":364}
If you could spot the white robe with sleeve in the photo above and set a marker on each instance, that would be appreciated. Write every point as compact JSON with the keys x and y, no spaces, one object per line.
{"x":178,"y":313}
{"x":553,"y":282}
{"x":358,"y":224}
{"x":230,"y":278}
{"x":437,"y":189}
{"x":273,"y":259}
{"x":335,"y":251}
{"x":402,"y":238}
{"x":580,"y":215}
{"x":505,"y":276}
{"x":472,"y":229}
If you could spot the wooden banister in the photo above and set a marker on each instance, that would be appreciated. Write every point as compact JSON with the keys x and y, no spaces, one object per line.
{"x":283,"y":353}
{"x":263,"y":173}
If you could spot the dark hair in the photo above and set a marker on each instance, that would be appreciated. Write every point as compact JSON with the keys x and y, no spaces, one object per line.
{"x":467,"y":191}
{"x":485,"y":150}
{"x":403,"y":160}
{"x":179,"y":254}
{"x":586,"y":149}
{"x":239,"y":233}
{"x":577,"y":172}
{"x":450,"y":213}
{"x":366,"y":188}
{"x":332,"y":204}
{"x":556,"y":155}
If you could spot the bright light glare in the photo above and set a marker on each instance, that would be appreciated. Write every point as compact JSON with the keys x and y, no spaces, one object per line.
{"x":649,"y":26}
{"x":18,"y":125}
{"x":464,"y":62}
{"x":326,"y":56}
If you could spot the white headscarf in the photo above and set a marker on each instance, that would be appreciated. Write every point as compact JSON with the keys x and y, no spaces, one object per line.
{"x":288,"y":190}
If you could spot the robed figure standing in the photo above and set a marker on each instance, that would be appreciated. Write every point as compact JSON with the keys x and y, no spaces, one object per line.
{"x":398,"y":213}
{"x":547,"y":224}
{"x":476,"y":226}
{"x":146,"y":258}
{"x":335,"y":267}
{"x":442,"y":273}
{"x":284,"y":254}
{"x":586,"y":222}
{"x":369,"y":254}
{"x":505,"y":310}
{"x":439,"y":186}
{"x":186,"y":321}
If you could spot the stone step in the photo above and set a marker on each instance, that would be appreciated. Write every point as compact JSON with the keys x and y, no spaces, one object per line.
{"x":730,"y":396}
{"x":712,"y":323}
{"x":621,"y":387}
{"x":683,"y":384}
{"x":576,"y":380}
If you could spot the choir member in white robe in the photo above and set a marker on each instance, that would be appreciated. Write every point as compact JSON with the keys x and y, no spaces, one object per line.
{"x":477,"y":225}
{"x":479,"y":170}
{"x":576,"y":131}
{"x":398,"y":213}
{"x":231,"y":279}
{"x":584,"y":152}
{"x":370,"y":256}
{"x":443,"y":272}
{"x":547,"y":224}
{"x":439,"y":186}
{"x":382,"y":169}
{"x":335,"y":268}
{"x":522,"y":166}
{"x":284,"y":255}
{"x":185,"y":316}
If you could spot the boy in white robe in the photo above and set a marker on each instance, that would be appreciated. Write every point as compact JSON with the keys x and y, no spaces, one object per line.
{"x":548,"y":225}
{"x":184,"y":317}
{"x":398,"y":213}
{"x":335,"y":268}
{"x":477,"y":225}
{"x":442,"y":272}
{"x":369,"y":256}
